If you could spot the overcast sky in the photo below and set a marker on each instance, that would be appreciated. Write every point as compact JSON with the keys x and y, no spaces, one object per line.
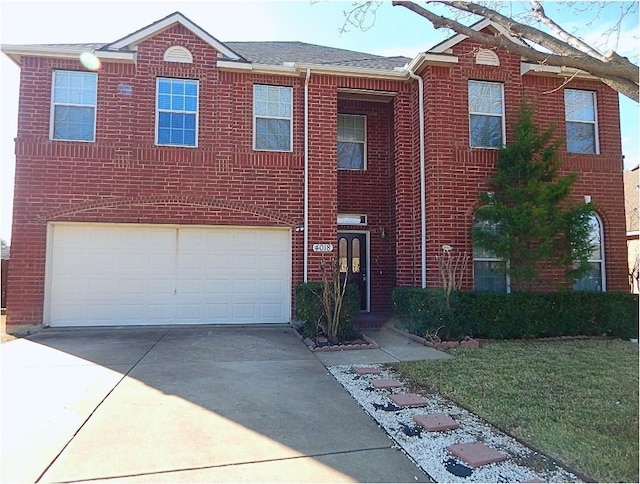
{"x":396,"y":31}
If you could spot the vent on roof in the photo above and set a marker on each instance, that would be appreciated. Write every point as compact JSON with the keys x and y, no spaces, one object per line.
{"x":178,"y":53}
{"x":487,"y":57}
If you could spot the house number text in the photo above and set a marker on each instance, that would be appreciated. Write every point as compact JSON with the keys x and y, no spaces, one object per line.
{"x":323,"y":247}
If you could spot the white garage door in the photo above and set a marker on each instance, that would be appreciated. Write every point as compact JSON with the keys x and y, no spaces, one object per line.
{"x":119,"y":274}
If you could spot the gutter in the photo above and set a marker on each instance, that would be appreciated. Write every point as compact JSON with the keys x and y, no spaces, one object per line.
{"x":423,"y":210}
{"x":306,"y":175}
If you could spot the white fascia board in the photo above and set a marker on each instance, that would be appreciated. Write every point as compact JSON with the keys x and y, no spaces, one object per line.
{"x":15,"y":52}
{"x":541,"y":69}
{"x":116,"y":56}
{"x":426,"y":58}
{"x":296,"y":69}
{"x":353,"y":71}
{"x":257,"y":68}
{"x":150,"y":30}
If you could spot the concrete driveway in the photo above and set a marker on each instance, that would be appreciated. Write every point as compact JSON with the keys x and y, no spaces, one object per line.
{"x":206,"y":404}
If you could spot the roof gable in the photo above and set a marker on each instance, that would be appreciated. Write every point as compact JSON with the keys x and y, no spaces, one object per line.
{"x":138,"y":36}
{"x":444,"y":46}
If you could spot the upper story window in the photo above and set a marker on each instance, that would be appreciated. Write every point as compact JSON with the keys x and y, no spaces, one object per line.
{"x":352,"y":142}
{"x":487,"y":273}
{"x":594,"y":280}
{"x":582,"y":127}
{"x":73,"y":105}
{"x":176,"y":112}
{"x":272,"y":118}
{"x":486,"y":114}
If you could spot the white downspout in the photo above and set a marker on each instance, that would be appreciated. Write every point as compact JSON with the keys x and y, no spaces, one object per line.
{"x":423,"y":211}
{"x":306,"y":176}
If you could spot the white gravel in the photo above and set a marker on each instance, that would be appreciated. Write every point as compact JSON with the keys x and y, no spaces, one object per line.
{"x":429,"y":449}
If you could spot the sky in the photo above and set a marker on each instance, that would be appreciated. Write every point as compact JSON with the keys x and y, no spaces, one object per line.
{"x":395,"y":31}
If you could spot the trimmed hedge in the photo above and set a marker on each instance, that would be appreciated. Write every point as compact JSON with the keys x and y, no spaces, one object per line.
{"x":309,"y":308}
{"x":519,"y":315}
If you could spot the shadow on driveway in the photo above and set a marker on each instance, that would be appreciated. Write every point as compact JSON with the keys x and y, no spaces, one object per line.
{"x":188,"y":404}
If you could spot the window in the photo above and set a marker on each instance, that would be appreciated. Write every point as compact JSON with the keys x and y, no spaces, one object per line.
{"x":486,"y":114}
{"x":352,"y":142}
{"x":594,"y":279}
{"x":486,"y":266}
{"x":272,"y":112}
{"x":73,"y":113}
{"x":580,"y":113}
{"x":177,"y":112}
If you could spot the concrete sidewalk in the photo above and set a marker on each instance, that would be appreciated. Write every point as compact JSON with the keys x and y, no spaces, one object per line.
{"x":234,"y":404}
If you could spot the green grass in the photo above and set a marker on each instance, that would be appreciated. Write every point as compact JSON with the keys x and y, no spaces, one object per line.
{"x":576,"y":401}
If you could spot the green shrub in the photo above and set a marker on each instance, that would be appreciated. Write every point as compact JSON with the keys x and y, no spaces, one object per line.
{"x":517,"y":315}
{"x":309,"y":308}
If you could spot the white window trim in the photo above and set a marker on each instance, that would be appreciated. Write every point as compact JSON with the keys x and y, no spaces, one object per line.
{"x":290,"y":118}
{"x":364,"y":161}
{"x":594,"y":97}
{"x":197,"y":113}
{"x":54,"y":104}
{"x":504,"y":129}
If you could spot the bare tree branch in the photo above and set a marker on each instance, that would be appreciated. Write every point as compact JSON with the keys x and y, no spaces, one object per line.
{"x":539,"y":13}
{"x":614,"y":70}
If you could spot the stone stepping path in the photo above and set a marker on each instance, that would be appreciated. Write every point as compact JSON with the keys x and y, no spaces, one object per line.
{"x":385,"y":384}
{"x":476,"y":454}
{"x":436,"y":422}
{"x":446,"y":441}
{"x":404,"y":400}
{"x":365,"y":370}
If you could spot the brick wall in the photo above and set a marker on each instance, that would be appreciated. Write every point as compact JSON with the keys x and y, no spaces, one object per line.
{"x":456,"y":173}
{"x":124,"y":177}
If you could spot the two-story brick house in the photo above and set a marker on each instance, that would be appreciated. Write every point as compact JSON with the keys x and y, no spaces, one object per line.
{"x":183,"y":180}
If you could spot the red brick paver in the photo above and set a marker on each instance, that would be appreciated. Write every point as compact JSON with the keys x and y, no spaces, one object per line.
{"x":435,"y":422}
{"x":363,"y":370}
{"x":385,"y":384}
{"x":408,"y":400}
{"x":476,"y":454}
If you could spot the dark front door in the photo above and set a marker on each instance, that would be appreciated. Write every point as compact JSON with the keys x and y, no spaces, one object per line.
{"x":352,"y":255}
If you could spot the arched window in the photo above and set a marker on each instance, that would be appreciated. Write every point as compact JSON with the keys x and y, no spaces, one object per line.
{"x":486,"y":265}
{"x":594,"y":280}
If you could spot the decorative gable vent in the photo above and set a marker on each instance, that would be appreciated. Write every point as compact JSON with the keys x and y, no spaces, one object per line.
{"x":487,"y":57}
{"x":178,"y":53}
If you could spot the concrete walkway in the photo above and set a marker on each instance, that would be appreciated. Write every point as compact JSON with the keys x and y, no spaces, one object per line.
{"x":394,"y":347}
{"x":206,"y":404}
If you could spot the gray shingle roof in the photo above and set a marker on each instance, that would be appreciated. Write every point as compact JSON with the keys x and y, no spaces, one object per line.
{"x":275,"y":53}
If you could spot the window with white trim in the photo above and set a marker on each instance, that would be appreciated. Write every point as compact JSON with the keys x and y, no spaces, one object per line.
{"x":176,"y":112}
{"x":73,"y":105}
{"x":594,"y":280}
{"x":487,"y":273}
{"x":582,"y":127}
{"x":486,"y":114}
{"x":272,"y":118}
{"x":352,"y":142}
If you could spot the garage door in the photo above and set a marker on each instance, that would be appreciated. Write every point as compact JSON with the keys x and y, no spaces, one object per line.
{"x":119,"y":274}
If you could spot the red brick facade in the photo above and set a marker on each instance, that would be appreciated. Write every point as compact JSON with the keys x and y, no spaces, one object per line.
{"x":124,"y":177}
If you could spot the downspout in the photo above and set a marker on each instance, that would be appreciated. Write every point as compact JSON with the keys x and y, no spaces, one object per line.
{"x":306,"y":176}
{"x":423,"y":211}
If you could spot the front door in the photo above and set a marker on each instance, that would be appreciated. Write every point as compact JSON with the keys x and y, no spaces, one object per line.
{"x":352,"y":254}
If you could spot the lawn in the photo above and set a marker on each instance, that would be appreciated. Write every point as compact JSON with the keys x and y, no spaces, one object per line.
{"x":576,"y":401}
